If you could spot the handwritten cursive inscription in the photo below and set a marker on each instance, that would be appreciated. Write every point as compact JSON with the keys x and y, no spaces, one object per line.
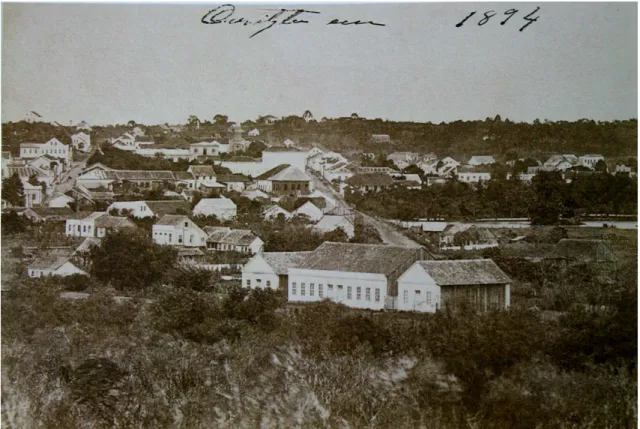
{"x":511,"y":12}
{"x":225,"y":15}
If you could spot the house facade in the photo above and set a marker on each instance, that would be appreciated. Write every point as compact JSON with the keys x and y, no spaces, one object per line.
{"x":224,"y":239}
{"x":53,"y":147}
{"x":590,"y":160}
{"x":357,"y":275}
{"x":81,"y":141}
{"x":53,"y":266}
{"x":178,"y":230}
{"x":481,"y":160}
{"x":96,"y":224}
{"x":222,"y":208}
{"x":428,"y":286}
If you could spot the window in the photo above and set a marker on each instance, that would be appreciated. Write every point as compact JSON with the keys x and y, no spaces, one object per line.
{"x":180,"y":239}
{"x":169,"y":237}
{"x":302,"y":289}
{"x":367,"y":294}
{"x":320,"y":291}
{"x":377,"y":295}
{"x":329,"y":288}
{"x":293,"y":288}
{"x":78,"y":228}
{"x":406,"y":296}
{"x":312,"y":290}
{"x":191,"y":238}
{"x":268,"y":283}
{"x":428,"y":298}
{"x":348,"y":292}
{"x":186,"y":224}
{"x":358,"y":293}
{"x":248,"y":282}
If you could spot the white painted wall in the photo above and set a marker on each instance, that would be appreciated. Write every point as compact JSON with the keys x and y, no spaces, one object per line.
{"x":139,"y":209}
{"x":417,"y":291}
{"x":258,"y":274}
{"x":344,"y":287}
{"x":179,"y":235}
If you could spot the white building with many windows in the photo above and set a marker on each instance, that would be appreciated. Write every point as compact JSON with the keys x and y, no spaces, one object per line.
{"x":357,"y":275}
{"x":53,"y":147}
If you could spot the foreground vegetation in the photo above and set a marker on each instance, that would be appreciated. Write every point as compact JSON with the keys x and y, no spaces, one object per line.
{"x":184,"y":349}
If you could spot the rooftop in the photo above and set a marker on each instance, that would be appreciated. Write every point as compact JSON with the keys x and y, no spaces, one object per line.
{"x":282,"y":261}
{"x":275,"y":170}
{"x":171,"y":219}
{"x":358,"y":258}
{"x":161,"y":208}
{"x":464,"y":272}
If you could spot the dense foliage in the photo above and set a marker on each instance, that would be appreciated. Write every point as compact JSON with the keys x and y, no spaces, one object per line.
{"x":124,"y":160}
{"x":13,"y":190}
{"x":131,"y":260}
{"x":545,"y":200}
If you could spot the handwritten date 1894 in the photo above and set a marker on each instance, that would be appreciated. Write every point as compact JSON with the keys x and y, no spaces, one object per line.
{"x":509,"y":13}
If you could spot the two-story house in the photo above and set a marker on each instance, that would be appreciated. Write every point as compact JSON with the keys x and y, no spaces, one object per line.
{"x":178,"y":230}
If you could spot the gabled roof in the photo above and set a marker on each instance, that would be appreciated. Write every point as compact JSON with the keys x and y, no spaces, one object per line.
{"x":26,"y":171}
{"x":254,"y":193}
{"x":358,"y":258}
{"x":183,"y":175}
{"x":331,"y":222}
{"x":280,"y":262}
{"x":242,"y":159}
{"x":215,"y":203}
{"x":484,"y":159}
{"x":172,"y":219}
{"x":48,"y":262}
{"x":464,"y":272}
{"x":161,"y":208}
{"x":227,"y":178}
{"x":108,"y":221}
{"x":202,"y":170}
{"x":88,"y":243}
{"x":237,"y":237}
{"x":370,"y":179}
{"x":275,"y":170}
{"x":292,"y":174}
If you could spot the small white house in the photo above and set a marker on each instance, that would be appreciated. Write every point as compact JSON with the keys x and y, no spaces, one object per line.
{"x":473,"y":175}
{"x":590,"y":160}
{"x":310,"y":210}
{"x":96,"y":224}
{"x":53,"y":265}
{"x":178,"y":230}
{"x":60,"y":201}
{"x":222,"y":208}
{"x":481,"y":160}
{"x":274,"y":211}
{"x":331,"y":223}
{"x":53,"y":147}
{"x":429,"y":285}
{"x":32,"y":194}
{"x":254,"y":132}
{"x":224,"y":239}
{"x":81,"y":141}
{"x":270,"y":270}
{"x":138,"y":209}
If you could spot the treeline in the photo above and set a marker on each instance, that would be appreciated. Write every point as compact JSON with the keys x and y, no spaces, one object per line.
{"x":546,"y":200}
{"x":462,"y":139}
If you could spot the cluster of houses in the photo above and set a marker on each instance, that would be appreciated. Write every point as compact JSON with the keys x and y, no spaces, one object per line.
{"x":379,"y":277}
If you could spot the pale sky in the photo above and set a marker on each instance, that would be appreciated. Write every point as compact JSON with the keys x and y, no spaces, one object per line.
{"x":110,"y":63}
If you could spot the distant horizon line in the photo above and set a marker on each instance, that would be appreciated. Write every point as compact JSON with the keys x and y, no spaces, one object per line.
{"x":531,"y":122}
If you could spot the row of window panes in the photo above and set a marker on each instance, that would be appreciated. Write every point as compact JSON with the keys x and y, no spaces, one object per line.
{"x":258,"y":283}
{"x":418,"y":293}
{"x":294,"y":291}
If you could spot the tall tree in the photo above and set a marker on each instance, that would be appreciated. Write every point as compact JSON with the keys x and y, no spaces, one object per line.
{"x":12,"y":190}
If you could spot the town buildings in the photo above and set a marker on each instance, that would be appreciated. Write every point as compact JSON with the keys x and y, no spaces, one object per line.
{"x":224,"y":239}
{"x":270,"y":270}
{"x":178,"y":230}
{"x":222,"y":208}
{"x":96,"y":224}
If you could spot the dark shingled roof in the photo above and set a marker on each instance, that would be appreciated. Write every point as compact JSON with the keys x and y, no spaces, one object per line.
{"x":585,"y":250}
{"x":237,"y":237}
{"x":275,"y":170}
{"x":171,"y":219}
{"x":370,"y":179}
{"x":242,"y":159}
{"x":108,"y":221}
{"x":281,"y":149}
{"x":358,"y":258}
{"x":233,"y":178}
{"x":282,"y":261}
{"x":465,"y":272}
{"x":161,"y":208}
{"x":202,"y":170}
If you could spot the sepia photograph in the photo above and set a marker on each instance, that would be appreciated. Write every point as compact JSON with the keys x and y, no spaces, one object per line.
{"x":319,"y":215}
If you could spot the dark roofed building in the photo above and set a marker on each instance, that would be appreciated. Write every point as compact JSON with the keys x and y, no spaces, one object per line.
{"x":161,"y":208}
{"x":236,"y":240}
{"x":370,"y":182}
{"x":271,"y":269}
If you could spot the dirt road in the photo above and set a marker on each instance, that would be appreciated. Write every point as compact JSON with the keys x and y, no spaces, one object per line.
{"x":388,"y":233}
